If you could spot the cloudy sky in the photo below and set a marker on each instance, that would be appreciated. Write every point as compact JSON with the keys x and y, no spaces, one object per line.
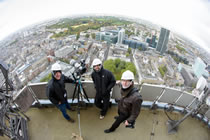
{"x":191,"y":18}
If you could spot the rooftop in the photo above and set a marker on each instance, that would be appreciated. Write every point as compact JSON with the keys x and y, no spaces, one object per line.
{"x":48,"y":123}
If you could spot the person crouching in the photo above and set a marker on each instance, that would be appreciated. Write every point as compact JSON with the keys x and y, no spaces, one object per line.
{"x":129,"y":105}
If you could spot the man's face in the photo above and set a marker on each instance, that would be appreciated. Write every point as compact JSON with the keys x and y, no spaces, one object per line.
{"x":126,"y":83}
{"x":57,"y":75}
{"x":97,"y":68}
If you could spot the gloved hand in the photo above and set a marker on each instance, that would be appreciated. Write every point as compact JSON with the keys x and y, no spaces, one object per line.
{"x":129,"y":125}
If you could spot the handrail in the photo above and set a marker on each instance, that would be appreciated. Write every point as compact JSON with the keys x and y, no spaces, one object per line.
{"x":152,"y":93}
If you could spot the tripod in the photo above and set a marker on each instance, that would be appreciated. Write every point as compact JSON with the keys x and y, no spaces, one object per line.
{"x":79,"y":91}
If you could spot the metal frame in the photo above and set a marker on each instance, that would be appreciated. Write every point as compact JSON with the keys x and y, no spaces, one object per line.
{"x":173,"y":125}
{"x":12,"y":124}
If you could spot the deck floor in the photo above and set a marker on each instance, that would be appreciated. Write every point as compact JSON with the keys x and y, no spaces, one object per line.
{"x":49,"y":124}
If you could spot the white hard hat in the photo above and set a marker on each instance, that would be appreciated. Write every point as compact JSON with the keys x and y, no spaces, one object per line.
{"x":96,"y":62}
{"x":56,"y":67}
{"x":201,"y":84}
{"x":127,"y":75}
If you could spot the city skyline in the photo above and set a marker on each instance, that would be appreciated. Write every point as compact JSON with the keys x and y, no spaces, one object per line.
{"x":178,"y":16}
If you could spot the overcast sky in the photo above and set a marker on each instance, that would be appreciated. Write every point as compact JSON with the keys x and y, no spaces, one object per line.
{"x":191,"y":18}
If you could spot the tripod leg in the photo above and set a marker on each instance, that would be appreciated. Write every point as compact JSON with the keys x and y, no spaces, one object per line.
{"x":85,"y":93}
{"x":75,"y":89}
{"x":78,"y":109}
{"x":79,"y":91}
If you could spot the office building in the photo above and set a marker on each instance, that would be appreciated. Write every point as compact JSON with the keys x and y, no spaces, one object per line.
{"x":121,"y":36}
{"x":163,"y":41}
{"x":135,"y":44}
{"x":109,"y":36}
{"x":199,"y":68}
{"x":189,"y":80}
{"x":152,"y":41}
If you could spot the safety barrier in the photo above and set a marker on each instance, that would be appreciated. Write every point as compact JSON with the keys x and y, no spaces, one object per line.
{"x":152,"y":93}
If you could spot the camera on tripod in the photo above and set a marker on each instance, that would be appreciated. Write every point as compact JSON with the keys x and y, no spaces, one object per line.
{"x":80,"y":68}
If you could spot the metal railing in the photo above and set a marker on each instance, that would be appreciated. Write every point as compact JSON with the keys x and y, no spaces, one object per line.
{"x":153,"y":95}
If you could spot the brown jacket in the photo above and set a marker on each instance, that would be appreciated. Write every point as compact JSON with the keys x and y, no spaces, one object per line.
{"x":130,"y":104}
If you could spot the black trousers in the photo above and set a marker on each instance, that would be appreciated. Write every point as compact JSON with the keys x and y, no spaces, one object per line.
{"x":121,"y":118}
{"x":102,"y":102}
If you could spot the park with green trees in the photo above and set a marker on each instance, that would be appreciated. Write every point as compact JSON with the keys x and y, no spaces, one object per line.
{"x":117,"y":67}
{"x":162,"y":70}
{"x":46,"y":78}
{"x":77,"y":25}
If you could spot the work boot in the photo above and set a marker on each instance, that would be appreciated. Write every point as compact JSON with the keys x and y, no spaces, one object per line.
{"x":72,"y":109}
{"x":71,"y":120}
{"x":116,"y":117}
{"x":107,"y":131}
{"x":101,"y":117}
{"x":110,"y":104}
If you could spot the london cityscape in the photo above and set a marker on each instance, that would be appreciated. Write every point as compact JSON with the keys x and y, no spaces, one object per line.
{"x":162,"y":46}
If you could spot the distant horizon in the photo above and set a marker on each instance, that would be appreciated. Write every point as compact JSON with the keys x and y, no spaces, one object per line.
{"x":189,"y":18}
{"x":96,"y":15}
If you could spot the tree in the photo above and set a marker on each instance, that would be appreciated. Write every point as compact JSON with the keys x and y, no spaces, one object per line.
{"x":162,"y":70}
{"x":117,"y":62}
{"x":93,"y":35}
{"x":129,"y":50}
{"x":140,"y":48}
{"x":117,"y":67}
{"x":109,"y":64}
{"x":122,"y":65}
{"x":127,"y":54}
{"x":87,"y":35}
{"x":46,"y":78}
{"x":78,"y":35}
{"x":64,"y":60}
{"x":130,"y":66}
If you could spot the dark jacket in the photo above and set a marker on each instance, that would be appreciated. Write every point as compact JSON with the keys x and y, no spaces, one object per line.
{"x":56,"y":91}
{"x":130,"y":104}
{"x":104,"y":81}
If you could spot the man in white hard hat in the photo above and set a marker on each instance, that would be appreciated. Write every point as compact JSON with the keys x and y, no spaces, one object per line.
{"x":56,"y":91}
{"x":130,"y":103}
{"x":104,"y":81}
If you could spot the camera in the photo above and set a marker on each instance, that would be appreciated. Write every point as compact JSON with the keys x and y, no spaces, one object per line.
{"x":80,"y":68}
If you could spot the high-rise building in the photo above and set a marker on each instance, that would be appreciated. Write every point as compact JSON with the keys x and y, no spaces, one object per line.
{"x":163,"y":41}
{"x":121,"y":36}
{"x":199,"y":68}
{"x":152,"y":41}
